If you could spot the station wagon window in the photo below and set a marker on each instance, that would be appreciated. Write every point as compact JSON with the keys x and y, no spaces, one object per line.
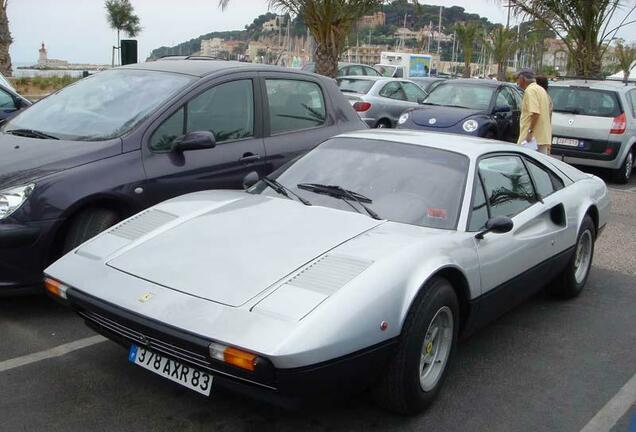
{"x":356,"y":70}
{"x":631,"y":96}
{"x":226,"y":110}
{"x":393,"y":90}
{"x":508,"y":186}
{"x":585,"y":101}
{"x":294,"y":105}
{"x":413,"y":92}
{"x":545,"y":181}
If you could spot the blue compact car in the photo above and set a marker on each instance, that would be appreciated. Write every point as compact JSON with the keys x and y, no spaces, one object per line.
{"x":482,"y":108}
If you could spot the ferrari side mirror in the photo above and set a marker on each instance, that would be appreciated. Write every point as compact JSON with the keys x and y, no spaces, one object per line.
{"x":497,"y":225}
{"x":250,"y":179}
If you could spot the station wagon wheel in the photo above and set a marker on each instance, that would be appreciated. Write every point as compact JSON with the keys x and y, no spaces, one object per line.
{"x":383,"y":124}
{"x":425,"y":348}
{"x":572,"y":279}
{"x":623,"y":174}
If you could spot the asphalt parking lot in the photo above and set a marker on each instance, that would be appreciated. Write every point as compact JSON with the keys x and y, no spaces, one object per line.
{"x":546,"y":366}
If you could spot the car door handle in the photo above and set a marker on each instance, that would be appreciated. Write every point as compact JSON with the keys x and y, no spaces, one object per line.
{"x":249,"y":157}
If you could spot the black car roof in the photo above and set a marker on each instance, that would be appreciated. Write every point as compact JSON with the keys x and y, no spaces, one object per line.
{"x":204,"y":67}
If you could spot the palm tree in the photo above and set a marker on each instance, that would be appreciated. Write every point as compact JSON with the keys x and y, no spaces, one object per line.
{"x":626,"y":55}
{"x":501,"y":44}
{"x":121,"y":17}
{"x":585,"y":26}
{"x":329,"y":21}
{"x":5,"y":40}
{"x":467,"y":35}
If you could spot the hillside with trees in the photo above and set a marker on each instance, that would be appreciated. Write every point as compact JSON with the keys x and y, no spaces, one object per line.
{"x":397,"y":12}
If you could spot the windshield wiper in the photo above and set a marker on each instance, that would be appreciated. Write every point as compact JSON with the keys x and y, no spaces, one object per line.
{"x":282,"y":190}
{"x":30,"y":133}
{"x":340,"y":192}
{"x":567,"y":110}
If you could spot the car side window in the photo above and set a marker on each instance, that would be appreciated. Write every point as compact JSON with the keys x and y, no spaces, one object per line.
{"x":413,"y":93}
{"x":226,"y":110}
{"x":356,"y":70}
{"x":508,"y":186}
{"x":294,"y":105}
{"x":369,"y":71}
{"x":505,"y":98}
{"x":393,"y":90}
{"x":6,"y":101}
{"x":545,"y":181}
{"x":479,"y":214}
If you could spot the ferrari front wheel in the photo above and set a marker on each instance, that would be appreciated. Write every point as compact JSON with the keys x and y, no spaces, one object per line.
{"x":429,"y":335}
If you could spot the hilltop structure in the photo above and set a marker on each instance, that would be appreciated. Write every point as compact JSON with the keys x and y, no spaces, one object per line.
{"x":44,"y":63}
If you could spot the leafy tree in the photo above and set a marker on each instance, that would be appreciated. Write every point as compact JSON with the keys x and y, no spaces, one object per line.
{"x":5,"y":40}
{"x":329,"y":21}
{"x":626,"y":55}
{"x":586,"y":26}
{"x":501,"y":44}
{"x":467,"y":35}
{"x":121,"y":17}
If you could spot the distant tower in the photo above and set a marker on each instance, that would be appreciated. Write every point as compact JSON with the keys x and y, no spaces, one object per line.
{"x":43,"y":59}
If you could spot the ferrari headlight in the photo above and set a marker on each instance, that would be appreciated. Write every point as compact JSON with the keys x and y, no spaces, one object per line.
{"x":12,"y":199}
{"x":470,"y":125}
{"x":403,"y":118}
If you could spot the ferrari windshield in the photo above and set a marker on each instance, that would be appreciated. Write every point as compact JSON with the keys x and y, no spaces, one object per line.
{"x":103,"y":106}
{"x":400,"y":182}
{"x":472,"y":96}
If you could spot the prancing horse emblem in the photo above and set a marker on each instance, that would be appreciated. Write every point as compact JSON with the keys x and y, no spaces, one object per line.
{"x":145,"y":297}
{"x":432,"y":121}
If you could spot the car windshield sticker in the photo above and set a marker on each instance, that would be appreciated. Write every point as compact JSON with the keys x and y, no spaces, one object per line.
{"x":436,"y":213}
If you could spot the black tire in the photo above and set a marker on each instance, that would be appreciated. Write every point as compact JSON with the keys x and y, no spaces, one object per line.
{"x":565,"y":285}
{"x":87,"y":225}
{"x":383,"y":124}
{"x":623,"y":174}
{"x":399,"y":389}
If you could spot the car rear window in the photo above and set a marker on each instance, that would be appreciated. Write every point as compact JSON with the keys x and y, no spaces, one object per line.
{"x":585,"y":101}
{"x":355,"y":85}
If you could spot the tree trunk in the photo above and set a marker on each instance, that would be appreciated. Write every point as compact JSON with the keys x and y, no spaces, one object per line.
{"x":5,"y":40}
{"x":326,"y":60}
{"x":466,"y":68}
{"x":501,"y":70}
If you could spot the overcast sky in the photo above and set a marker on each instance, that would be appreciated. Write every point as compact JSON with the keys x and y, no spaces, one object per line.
{"x":76,"y":30}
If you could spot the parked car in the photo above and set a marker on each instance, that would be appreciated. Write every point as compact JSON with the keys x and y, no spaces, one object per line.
{"x":482,"y":108}
{"x":594,"y":124}
{"x":380,"y":101}
{"x":358,"y":265}
{"x":11,"y":103}
{"x":428,"y":83}
{"x":345,"y":69}
{"x":122,"y":140}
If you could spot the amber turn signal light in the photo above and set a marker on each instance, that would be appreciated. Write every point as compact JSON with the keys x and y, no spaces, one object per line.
{"x":233,"y":356}
{"x":58,"y":289}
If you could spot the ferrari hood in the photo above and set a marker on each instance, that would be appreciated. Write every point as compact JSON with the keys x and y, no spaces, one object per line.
{"x":440,"y":116}
{"x":234,"y":251}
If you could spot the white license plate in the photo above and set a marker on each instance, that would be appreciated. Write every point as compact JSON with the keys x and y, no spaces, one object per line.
{"x":571,"y":142}
{"x":191,"y":378}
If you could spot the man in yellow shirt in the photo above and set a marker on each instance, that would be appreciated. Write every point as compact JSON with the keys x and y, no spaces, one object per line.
{"x":535,"y":112}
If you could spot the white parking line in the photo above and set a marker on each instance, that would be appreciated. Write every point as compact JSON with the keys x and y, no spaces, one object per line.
{"x":57,"y":351}
{"x":613,"y":410}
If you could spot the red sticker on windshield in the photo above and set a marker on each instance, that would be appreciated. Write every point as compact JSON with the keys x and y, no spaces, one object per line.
{"x":436,"y":213}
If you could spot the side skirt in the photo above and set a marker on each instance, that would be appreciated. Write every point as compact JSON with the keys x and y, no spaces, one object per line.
{"x":506,"y":296}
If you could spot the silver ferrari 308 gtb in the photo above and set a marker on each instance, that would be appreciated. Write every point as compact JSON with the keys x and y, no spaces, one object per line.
{"x":356,"y":266}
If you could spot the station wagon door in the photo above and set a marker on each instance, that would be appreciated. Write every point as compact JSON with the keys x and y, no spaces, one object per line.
{"x":228,"y":108}
{"x":297,"y":116}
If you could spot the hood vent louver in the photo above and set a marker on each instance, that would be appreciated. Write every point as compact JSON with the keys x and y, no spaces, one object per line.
{"x":142,"y":224}
{"x":329,"y":274}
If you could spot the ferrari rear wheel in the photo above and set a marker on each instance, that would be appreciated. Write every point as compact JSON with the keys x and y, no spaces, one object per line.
{"x":429,"y":336}
{"x":571,"y":281}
